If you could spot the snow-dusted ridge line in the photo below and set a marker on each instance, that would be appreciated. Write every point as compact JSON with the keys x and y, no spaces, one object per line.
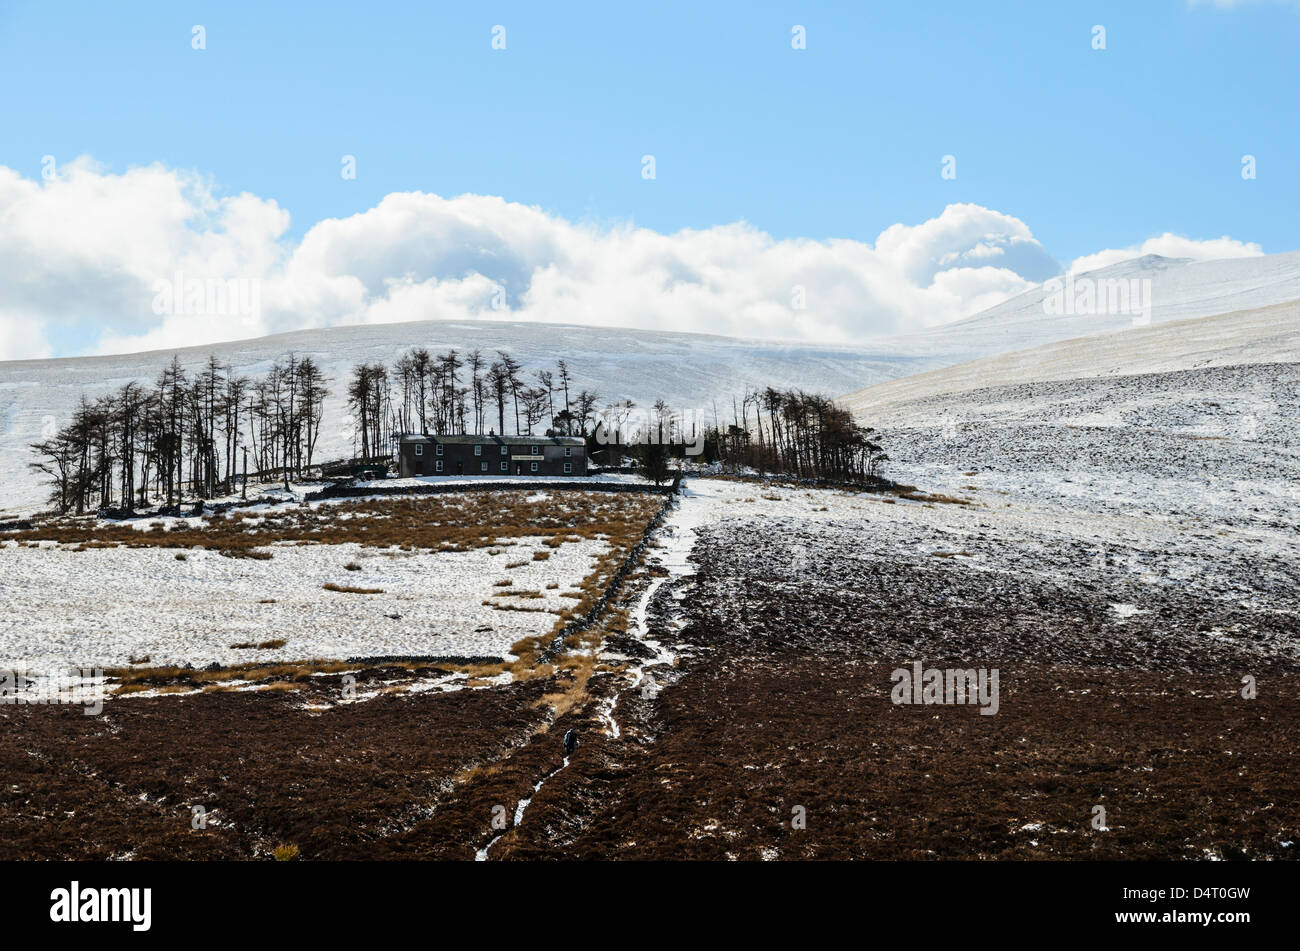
{"x":1179,"y":290}
{"x":1259,"y":336}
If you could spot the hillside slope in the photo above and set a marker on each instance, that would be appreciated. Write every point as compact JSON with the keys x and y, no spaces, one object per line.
{"x":690,"y":371}
{"x":1179,"y":290}
{"x":1189,"y":425}
{"x":1263,"y":335}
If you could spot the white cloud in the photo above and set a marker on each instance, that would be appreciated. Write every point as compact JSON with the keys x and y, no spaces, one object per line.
{"x":84,"y":260}
{"x":79,"y":255}
{"x":87,"y":254}
{"x":966,"y":235}
{"x":21,"y":339}
{"x":1170,"y":246}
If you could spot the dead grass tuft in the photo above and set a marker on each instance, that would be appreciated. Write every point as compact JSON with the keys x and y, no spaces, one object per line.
{"x":348,"y":589}
{"x":913,"y":494}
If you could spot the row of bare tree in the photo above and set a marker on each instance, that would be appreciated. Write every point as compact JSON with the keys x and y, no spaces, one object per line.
{"x":785,"y":432}
{"x":144,"y":442}
{"x":455,"y":393}
{"x":800,"y":434}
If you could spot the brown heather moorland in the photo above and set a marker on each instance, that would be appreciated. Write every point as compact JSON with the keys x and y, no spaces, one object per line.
{"x":779,"y":701}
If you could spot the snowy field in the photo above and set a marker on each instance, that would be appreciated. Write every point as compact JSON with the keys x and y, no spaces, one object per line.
{"x":1164,"y":460}
{"x":1140,"y":575}
{"x":180,"y":600}
{"x":1050,"y":525}
{"x":104,"y":607}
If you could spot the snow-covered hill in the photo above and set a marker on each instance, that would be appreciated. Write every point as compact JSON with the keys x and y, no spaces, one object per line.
{"x":1158,"y":464}
{"x":1188,"y":424}
{"x":1178,"y":289}
{"x":690,"y":371}
{"x":1263,"y":335}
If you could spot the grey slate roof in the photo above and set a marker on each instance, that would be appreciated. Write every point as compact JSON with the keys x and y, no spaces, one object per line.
{"x":495,"y":440}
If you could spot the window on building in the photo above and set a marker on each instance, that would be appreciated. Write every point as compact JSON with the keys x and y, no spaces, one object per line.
{"x":568,"y":450}
{"x":568,"y":467}
{"x":534,"y":467}
{"x":505,"y":466}
{"x":482,"y":467}
{"x":419,"y":449}
{"x":478,"y":450}
{"x":438,"y":451}
{"x":438,"y":466}
{"x":536,"y":450}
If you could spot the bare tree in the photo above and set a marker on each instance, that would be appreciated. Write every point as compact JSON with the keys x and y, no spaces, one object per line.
{"x":511,"y":368}
{"x":499,"y":388}
{"x":368,"y":397}
{"x":477,"y":386}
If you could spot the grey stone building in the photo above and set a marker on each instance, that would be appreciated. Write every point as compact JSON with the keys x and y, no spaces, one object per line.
{"x":492,"y":456}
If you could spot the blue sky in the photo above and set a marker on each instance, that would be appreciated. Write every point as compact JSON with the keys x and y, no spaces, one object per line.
{"x":1091,"y":149}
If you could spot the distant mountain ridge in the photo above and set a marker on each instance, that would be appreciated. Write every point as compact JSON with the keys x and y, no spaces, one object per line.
{"x":1260,"y":336}
{"x":1180,"y":289}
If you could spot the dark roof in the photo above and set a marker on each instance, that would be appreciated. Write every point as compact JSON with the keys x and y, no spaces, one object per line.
{"x":497,"y":440}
